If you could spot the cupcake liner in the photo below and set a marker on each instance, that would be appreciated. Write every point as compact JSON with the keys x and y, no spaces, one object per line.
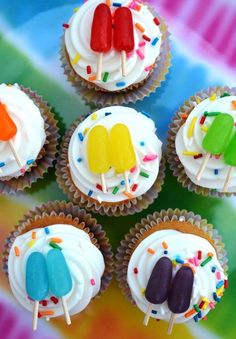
{"x":92,"y":94}
{"x":47,"y":155}
{"x":64,"y":213}
{"x":148,"y":224}
{"x":177,"y":121}
{"x":122,"y":208}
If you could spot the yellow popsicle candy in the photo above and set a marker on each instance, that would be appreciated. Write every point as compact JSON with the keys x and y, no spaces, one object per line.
{"x":122,"y":155}
{"x":97,"y":148}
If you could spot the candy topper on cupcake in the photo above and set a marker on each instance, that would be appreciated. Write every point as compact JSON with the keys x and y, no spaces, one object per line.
{"x":101,"y":34}
{"x":8,"y":131}
{"x":111,"y":150}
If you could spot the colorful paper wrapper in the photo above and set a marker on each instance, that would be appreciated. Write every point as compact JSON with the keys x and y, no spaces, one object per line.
{"x":151,"y":224}
{"x":47,"y":155}
{"x":61,"y":212}
{"x":177,"y":121}
{"x":126,"y":207}
{"x":98,"y":97}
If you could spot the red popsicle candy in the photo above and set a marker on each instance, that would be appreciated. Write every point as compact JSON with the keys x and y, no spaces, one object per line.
{"x":123,"y":30}
{"x":8,"y":128}
{"x":101,"y":32}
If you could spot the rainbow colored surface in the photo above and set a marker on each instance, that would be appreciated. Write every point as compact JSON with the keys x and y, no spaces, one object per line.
{"x":204,"y":54}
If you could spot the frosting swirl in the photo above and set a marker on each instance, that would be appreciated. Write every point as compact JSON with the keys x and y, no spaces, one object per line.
{"x":77,"y":41}
{"x":145,"y":142}
{"x":84,"y":260}
{"x":30,"y":136}
{"x":216,"y":170}
{"x":181,"y":246}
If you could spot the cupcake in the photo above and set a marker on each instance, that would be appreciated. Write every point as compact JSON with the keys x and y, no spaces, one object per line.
{"x":173,"y":266}
{"x":111,"y":162}
{"x":57,"y":259}
{"x":202,"y":140}
{"x":115,"y":52}
{"x":28,"y":138}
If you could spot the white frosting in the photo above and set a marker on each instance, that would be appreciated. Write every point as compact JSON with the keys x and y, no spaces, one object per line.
{"x":179,"y":244}
{"x":84,"y":260}
{"x":209,"y":179}
{"x":77,"y":40}
{"x":30,"y":136}
{"x":142,"y":129}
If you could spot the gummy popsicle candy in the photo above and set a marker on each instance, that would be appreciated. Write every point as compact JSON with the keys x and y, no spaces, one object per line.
{"x":101,"y":34}
{"x":59,"y":278}
{"x":98,"y":152}
{"x":180,"y":293}
{"x":123,"y":34}
{"x":230,"y":159}
{"x":158,"y":285}
{"x":217,"y":138}
{"x":36,"y":281}
{"x":122,"y":154}
{"x":8,"y":130}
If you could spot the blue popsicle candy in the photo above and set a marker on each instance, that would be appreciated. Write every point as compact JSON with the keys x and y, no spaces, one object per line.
{"x":36,"y":276}
{"x":59,"y":276}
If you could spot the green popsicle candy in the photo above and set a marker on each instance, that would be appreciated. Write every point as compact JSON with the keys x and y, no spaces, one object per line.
{"x":219,"y":134}
{"x":230,"y":153}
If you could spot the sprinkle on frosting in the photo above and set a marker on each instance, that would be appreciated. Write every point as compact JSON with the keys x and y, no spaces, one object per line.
{"x":145,"y":37}
{"x":46,"y":230}
{"x":157,"y":22}
{"x":79,"y":159}
{"x":213,"y":97}
{"x":89,"y":69}
{"x":92,"y":282}
{"x":191,"y":127}
{"x":17,"y":251}
{"x":140,"y":27}
{"x":34,"y":235}
{"x":117,"y":4}
{"x":150,"y":157}
{"x":143,"y":174}
{"x":54,"y":245}
{"x":81,"y":137}
{"x":206,"y":261}
{"x":105,"y":77}
{"x":92,"y":78}
{"x":155,"y":41}
{"x":120,"y":84}
{"x":76,"y":59}
{"x":151,"y":251}
{"x":56,"y":240}
{"x":66,"y":26}
{"x":140,"y":54}
{"x":31,"y":243}
{"x":135,"y":270}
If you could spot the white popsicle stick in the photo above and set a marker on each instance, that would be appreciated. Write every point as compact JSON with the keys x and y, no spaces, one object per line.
{"x":104,"y":185}
{"x":203,"y":166}
{"x":99,"y":67}
{"x":35,"y":315}
{"x":147,"y":315}
{"x":228,"y":179}
{"x":171,"y":323}
{"x":66,"y":312}
{"x":127,"y":185}
{"x":123,"y":63}
{"x":15,"y":153}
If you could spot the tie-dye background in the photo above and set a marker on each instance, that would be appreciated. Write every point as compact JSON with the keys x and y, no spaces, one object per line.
{"x":204,"y":54}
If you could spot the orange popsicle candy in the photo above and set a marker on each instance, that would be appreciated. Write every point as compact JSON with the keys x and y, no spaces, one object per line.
{"x":8,"y":128}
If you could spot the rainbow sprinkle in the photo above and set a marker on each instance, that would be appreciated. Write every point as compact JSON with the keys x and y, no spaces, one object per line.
{"x":79,"y":159}
{"x":105,"y":77}
{"x":211,"y":114}
{"x":117,"y":4}
{"x":206,"y":261}
{"x":155,"y":41}
{"x":199,"y":255}
{"x":164,"y":245}
{"x":135,"y":270}
{"x":66,"y":26}
{"x":120,"y":84}
{"x":190,"y":153}
{"x":213,"y":97}
{"x":115,"y":190}
{"x":92,"y":282}
{"x":151,"y":251}
{"x":54,"y":300}
{"x":54,"y":245}
{"x":216,"y":171}
{"x":156,"y":21}
{"x":140,"y":54}
{"x":29,"y":162}
{"x":191,"y":128}
{"x":150,"y":157}
{"x":34,"y":235}
{"x":143,"y":174}
{"x":46,"y":230}
{"x":198,"y":156}
{"x":204,"y":129}
{"x":2,"y":164}
{"x":89,"y":69}
{"x":90,"y":193}
{"x":107,"y":113}
{"x":142,"y":44}
{"x":99,"y":187}
{"x":145,"y":37}
{"x":76,"y":59}
{"x":92,"y":78}
{"x":81,"y":137}
{"x":234,"y":104}
{"x":202,"y":120}
{"x":140,"y":27}
{"x":31,"y":243}
{"x":56,"y":240}
{"x":134,"y":187}
{"x":94,"y":116}
{"x":17,"y":251}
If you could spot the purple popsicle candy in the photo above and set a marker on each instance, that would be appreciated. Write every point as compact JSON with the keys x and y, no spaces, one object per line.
{"x":159,"y":282}
{"x":181,"y":291}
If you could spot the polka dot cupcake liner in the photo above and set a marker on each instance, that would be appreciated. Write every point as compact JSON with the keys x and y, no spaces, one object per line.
{"x":177,"y":121}
{"x":61,"y":212}
{"x":47,"y":155}
{"x":98,"y":97}
{"x":151,"y":224}
{"x":122,"y":208}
